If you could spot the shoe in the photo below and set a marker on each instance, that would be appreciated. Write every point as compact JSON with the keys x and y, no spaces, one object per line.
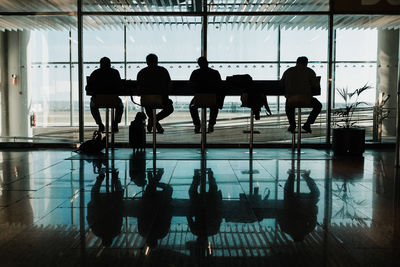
{"x":114,"y":128}
{"x":306,"y":127}
{"x":291,"y":128}
{"x":101,"y":128}
{"x":159,"y":128}
{"x":197,"y":129}
{"x":210,"y":128}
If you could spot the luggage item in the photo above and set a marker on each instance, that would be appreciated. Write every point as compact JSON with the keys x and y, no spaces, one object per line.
{"x":93,"y":146}
{"x":137,"y":132}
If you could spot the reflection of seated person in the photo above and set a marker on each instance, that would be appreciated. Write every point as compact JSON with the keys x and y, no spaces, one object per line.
{"x":104,"y":211}
{"x":299,"y":215}
{"x":155,"y":215}
{"x":299,"y":81}
{"x":205,"y":213}
{"x":205,"y":80}
{"x":137,"y":168}
{"x":105,"y":80}
{"x":155,"y":80}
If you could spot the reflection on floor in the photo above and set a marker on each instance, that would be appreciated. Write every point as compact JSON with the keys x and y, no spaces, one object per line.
{"x":58,"y":208}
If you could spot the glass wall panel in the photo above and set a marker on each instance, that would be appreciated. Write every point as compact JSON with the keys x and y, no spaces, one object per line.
{"x":242,"y":48}
{"x":366,"y":54}
{"x":356,"y":66}
{"x":311,"y":42}
{"x":39,"y":80}
{"x":177,"y":46}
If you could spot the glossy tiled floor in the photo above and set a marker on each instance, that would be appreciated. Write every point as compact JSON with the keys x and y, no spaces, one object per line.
{"x":58,"y":208}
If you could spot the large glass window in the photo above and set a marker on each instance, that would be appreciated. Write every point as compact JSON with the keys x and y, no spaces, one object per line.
{"x":355,"y":66}
{"x":41,"y":71}
{"x":237,"y":47}
{"x":41,"y":81}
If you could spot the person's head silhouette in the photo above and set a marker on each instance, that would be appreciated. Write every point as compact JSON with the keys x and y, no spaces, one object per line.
{"x":151,"y":60}
{"x":105,"y":63}
{"x":302,"y":61}
{"x":203,"y":63}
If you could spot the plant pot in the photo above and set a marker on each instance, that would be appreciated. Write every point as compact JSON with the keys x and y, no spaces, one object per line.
{"x":348,"y":141}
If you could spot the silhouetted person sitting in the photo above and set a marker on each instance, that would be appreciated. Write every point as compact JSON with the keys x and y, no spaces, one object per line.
{"x":299,"y":81}
{"x":104,"y":81}
{"x":155,"y":80}
{"x":205,"y":80}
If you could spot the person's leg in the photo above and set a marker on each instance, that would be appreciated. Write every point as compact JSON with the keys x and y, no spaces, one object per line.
{"x":290,"y":115}
{"x":316,"y":109}
{"x":119,"y":111}
{"x":96,"y":114}
{"x":166,"y":111}
{"x":213,"y":119}
{"x":149,"y":113}
{"x":194,"y":113}
{"x":118,"y":115}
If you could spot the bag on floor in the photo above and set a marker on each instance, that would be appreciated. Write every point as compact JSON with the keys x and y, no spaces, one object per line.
{"x":94,"y":145}
{"x":137,"y":132}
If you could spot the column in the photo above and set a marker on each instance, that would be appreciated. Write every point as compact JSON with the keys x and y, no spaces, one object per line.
{"x":387,"y":75}
{"x":15,"y":106}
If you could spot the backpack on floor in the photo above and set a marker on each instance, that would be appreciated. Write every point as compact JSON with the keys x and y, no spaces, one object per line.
{"x":94,"y":145}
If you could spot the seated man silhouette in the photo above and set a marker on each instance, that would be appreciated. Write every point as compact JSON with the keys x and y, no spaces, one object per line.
{"x":205,"y":80}
{"x":104,"y":81}
{"x":155,"y":80}
{"x":299,"y":81}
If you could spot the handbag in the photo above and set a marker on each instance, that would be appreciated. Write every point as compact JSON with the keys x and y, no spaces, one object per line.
{"x":152,"y":101}
{"x":94,"y":145}
{"x":205,"y":100}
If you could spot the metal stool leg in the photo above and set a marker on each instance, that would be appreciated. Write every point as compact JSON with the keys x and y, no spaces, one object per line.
{"x":154,"y":132}
{"x":251,"y":131}
{"x":107,"y":129}
{"x":203,"y":129}
{"x":112,"y":132}
{"x":293,"y":141}
{"x":298,"y":130}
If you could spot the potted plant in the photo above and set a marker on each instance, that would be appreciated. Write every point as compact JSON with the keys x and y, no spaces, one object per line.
{"x":347,"y":139}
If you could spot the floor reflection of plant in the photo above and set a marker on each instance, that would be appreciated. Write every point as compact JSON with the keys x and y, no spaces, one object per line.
{"x":350,"y":204}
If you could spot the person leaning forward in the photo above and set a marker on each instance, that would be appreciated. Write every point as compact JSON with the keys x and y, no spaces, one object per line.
{"x":205,"y":80}
{"x":299,"y":82}
{"x":155,"y":80}
{"x":104,"y":81}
